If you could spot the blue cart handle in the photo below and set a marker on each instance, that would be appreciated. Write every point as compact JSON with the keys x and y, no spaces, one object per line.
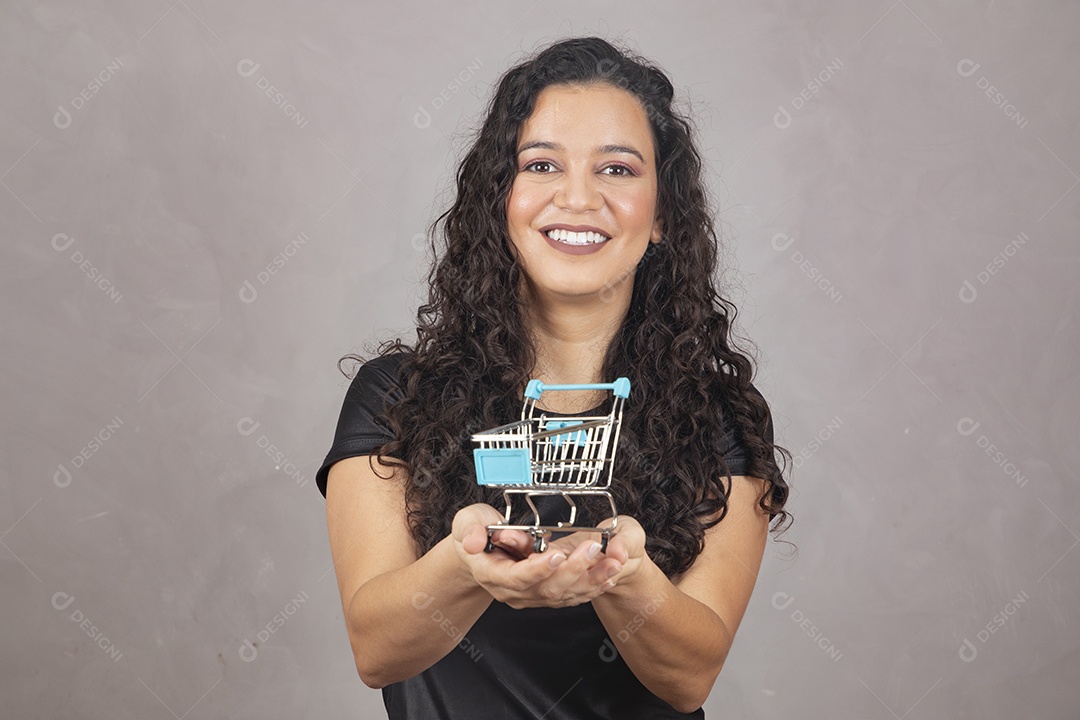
{"x":621,"y":387}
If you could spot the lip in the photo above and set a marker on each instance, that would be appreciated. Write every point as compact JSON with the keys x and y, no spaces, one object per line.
{"x":575,"y":228}
{"x":575,"y":249}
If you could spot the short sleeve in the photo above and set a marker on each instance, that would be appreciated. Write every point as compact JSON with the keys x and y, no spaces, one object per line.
{"x":734,"y":451}
{"x":358,"y":432}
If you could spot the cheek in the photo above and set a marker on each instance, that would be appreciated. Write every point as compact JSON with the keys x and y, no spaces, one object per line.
{"x":518,"y":220}
{"x":639,"y":206}
{"x":529,"y":194}
{"x":514,"y":210}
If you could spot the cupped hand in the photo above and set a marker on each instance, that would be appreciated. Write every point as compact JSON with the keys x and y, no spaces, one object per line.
{"x":563,"y":575}
{"x":626,"y":547}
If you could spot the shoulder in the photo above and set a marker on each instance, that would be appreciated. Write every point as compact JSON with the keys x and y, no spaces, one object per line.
{"x":385,"y":365}
{"x":376,"y":379}
{"x":727,"y":393}
{"x":361,"y":429}
{"x":762,"y":409}
{"x":752,"y":396}
{"x":753,"y":408}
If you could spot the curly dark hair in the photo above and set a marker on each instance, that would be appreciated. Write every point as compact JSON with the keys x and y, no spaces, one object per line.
{"x":468,"y":369}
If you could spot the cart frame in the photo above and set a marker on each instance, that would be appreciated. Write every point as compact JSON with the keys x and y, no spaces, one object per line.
{"x":540,"y":455}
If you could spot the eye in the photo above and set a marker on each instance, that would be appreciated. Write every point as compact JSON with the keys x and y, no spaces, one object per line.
{"x":626,"y":170}
{"x":536,"y":162}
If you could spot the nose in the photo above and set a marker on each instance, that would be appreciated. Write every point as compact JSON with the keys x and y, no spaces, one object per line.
{"x":577,"y":191}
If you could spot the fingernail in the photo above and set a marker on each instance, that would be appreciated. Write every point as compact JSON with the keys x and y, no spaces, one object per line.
{"x":612,"y":572}
{"x":594,"y":550}
{"x":556,"y":559}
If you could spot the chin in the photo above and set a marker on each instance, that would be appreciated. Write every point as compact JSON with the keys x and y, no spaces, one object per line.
{"x":581,"y":291}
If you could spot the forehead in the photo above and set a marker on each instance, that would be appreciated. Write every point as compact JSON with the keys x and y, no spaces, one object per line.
{"x":586,"y":116}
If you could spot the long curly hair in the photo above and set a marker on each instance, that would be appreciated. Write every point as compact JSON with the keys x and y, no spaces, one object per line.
{"x":473,"y":355}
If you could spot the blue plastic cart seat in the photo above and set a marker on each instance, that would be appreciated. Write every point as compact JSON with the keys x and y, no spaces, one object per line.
{"x":577,"y":438}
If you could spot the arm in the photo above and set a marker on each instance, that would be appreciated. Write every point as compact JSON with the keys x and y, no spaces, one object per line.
{"x":676,"y":636}
{"x":403,"y":613}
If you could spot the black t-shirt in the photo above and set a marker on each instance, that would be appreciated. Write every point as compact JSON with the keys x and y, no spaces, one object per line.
{"x":555,"y":663}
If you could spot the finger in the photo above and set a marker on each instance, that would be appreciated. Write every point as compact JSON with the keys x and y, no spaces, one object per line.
{"x":477,"y":514}
{"x":509,"y":551}
{"x":616,"y":549}
{"x":520,"y":542}
{"x":535,"y":568}
{"x":571,"y":582}
{"x":576,"y":537}
{"x":604,"y":571}
{"x":572,"y":542}
{"x":576,"y":568}
{"x":603,"y":588}
{"x":475,"y":539}
{"x":502,"y":573}
{"x":619,"y":545}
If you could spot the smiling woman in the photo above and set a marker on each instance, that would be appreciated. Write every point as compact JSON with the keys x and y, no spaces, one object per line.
{"x":580,"y":248}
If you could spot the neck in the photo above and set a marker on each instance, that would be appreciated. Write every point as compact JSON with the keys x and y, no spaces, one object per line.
{"x":571,"y":335}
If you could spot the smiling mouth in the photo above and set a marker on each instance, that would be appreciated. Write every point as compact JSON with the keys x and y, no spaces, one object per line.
{"x":567,"y":237}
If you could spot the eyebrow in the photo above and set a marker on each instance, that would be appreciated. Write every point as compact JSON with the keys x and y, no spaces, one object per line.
{"x":603,"y":149}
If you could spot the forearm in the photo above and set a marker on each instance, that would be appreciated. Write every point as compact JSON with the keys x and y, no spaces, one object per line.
{"x":673,"y":643}
{"x":402,"y":622}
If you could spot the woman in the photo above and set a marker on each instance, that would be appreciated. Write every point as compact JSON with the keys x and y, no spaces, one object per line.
{"x":579,"y":249}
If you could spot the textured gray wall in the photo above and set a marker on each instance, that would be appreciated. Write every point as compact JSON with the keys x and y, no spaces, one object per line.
{"x":205,"y":204}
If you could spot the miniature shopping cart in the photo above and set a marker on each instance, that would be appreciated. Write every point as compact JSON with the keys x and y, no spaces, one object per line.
{"x":566,"y":456}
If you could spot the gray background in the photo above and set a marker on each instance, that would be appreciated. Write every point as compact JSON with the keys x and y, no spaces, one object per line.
{"x":167,"y":397}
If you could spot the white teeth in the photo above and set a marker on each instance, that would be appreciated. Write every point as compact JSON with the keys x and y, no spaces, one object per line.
{"x":576,"y":238}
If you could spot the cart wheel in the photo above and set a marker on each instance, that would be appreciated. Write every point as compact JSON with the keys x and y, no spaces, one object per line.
{"x":490,"y":546}
{"x":603,"y":543}
{"x":539,"y":544}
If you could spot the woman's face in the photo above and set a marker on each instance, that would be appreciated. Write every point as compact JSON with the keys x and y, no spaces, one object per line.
{"x":585,"y":158}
